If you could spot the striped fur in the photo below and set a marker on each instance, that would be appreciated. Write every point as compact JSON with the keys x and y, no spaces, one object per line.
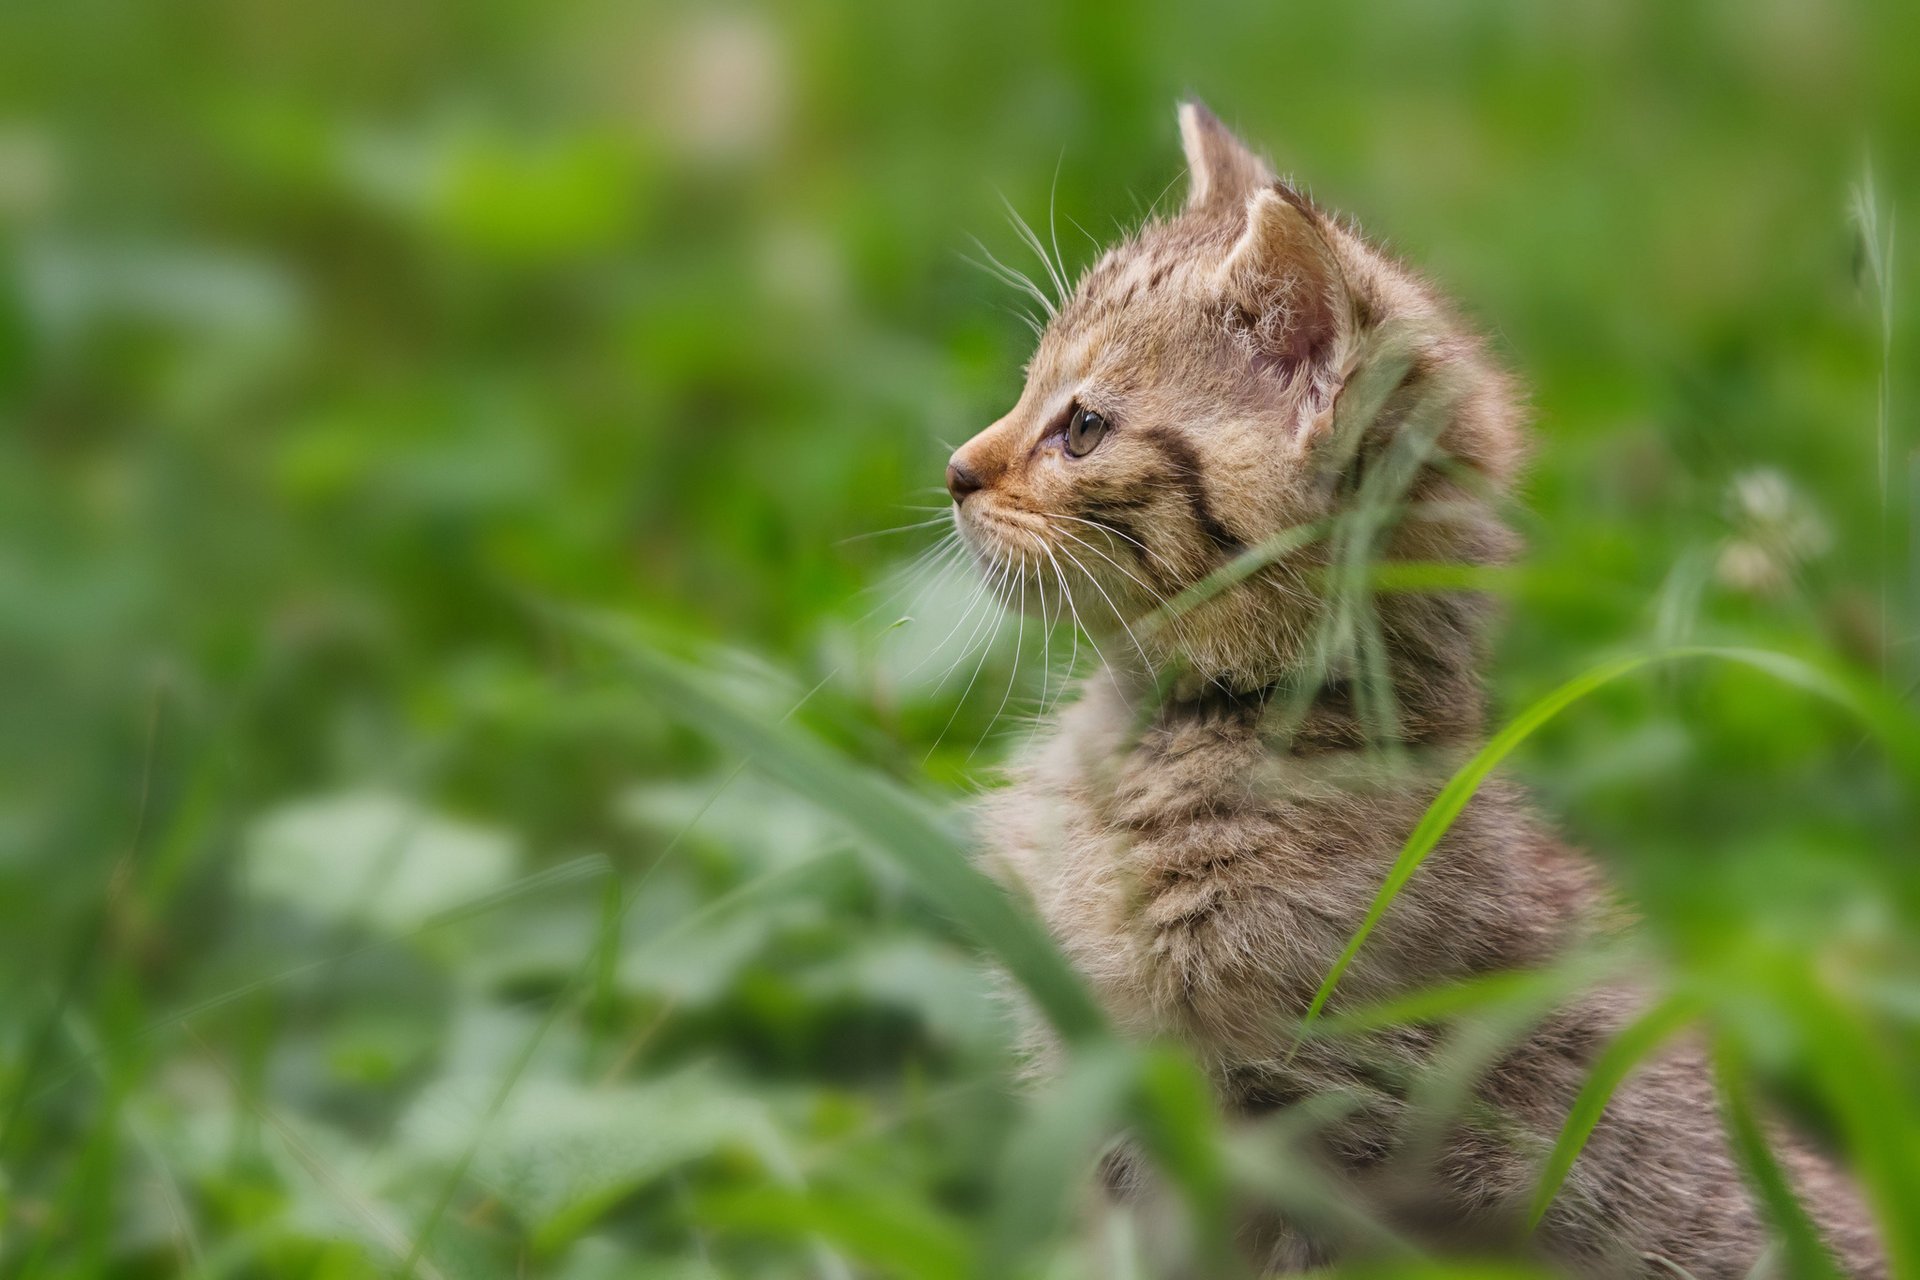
{"x":1204,"y":823}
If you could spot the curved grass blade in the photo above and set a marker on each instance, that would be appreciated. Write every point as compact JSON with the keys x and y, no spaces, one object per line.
{"x":1627,"y":1051}
{"x":1806,"y":1254}
{"x":1889,"y":722}
{"x":1450,"y":1000}
{"x":1180,"y":1126}
{"x":1861,"y":1084}
{"x":1046,"y":1161}
{"x":886,"y":817}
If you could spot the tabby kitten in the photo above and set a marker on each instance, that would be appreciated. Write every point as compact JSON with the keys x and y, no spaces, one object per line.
{"x":1204,"y":824}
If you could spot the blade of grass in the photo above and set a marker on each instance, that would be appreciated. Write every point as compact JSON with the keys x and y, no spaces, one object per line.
{"x":1180,"y":1126}
{"x":1889,"y":722}
{"x":586,"y":867}
{"x":890,"y":1233}
{"x":377,"y":1223}
{"x":1274,"y":1159}
{"x":1449,"y":1000}
{"x":1862,"y":1086}
{"x":1877,"y":259}
{"x":1627,"y":1050}
{"x":1806,"y":1255}
{"x":894,"y":823}
{"x":1046,"y":1160}
{"x":186,"y":1235}
{"x":577,"y":985}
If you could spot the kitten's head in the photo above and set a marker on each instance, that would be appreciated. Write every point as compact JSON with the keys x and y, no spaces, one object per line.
{"x":1195,"y":396}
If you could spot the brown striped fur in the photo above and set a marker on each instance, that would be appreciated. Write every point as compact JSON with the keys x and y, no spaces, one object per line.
{"x":1201,"y":857}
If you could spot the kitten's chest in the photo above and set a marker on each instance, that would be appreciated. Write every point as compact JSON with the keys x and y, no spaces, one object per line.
{"x":1188,"y":871}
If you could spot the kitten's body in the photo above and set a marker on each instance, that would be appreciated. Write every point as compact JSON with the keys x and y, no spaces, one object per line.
{"x":1204,"y":888}
{"x":1204,"y":856}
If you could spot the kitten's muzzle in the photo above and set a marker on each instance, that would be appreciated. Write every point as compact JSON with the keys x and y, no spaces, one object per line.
{"x":962,"y":480}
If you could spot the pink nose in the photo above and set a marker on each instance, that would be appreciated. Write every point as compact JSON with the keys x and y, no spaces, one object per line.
{"x":961,"y":480}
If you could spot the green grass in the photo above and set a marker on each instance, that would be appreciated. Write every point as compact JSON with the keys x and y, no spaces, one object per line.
{"x":475,"y":801}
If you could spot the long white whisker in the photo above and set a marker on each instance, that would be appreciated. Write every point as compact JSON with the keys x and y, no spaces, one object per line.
{"x":1118,"y":616}
{"x":1154,"y":208}
{"x":1154,"y":595}
{"x":962,"y":700}
{"x":1177,"y":620}
{"x":1028,"y":319}
{"x":982,"y":586}
{"x":1040,"y":250}
{"x":1008,"y":276}
{"x":943,"y":559}
{"x":931,"y":562}
{"x":1067,"y":595}
{"x":1046,"y":630}
{"x":1053,"y":200}
{"x":1013,"y":675}
{"x":988,"y":620}
{"x":1113,"y":532}
{"x":884,"y":533}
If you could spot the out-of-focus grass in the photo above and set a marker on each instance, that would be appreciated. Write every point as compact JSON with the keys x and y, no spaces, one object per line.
{"x":358,"y":914}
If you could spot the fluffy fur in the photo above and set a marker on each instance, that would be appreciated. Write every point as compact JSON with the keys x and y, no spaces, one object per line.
{"x":1204,"y":825}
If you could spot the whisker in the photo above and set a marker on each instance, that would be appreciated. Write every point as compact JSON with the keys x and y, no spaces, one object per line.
{"x":883,"y":533}
{"x":1010,"y":277}
{"x":929,"y":562}
{"x":1028,"y":319}
{"x":1012,"y":675}
{"x":1118,"y":616}
{"x":962,"y":700}
{"x":982,"y":594}
{"x":1039,"y":249}
{"x":1046,"y":630}
{"x":1097,"y":246}
{"x":1155,"y":596}
{"x":1154,"y":208}
{"x":947,"y":555}
{"x":1151,"y":554}
{"x":1067,"y":595}
{"x":1053,"y":229}
{"x":1163,"y":607}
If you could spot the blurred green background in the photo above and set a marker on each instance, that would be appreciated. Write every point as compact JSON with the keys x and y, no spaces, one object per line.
{"x":357,"y":916}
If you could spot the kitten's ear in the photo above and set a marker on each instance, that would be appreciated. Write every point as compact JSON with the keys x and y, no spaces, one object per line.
{"x":1290,"y":300}
{"x":1223,"y":171}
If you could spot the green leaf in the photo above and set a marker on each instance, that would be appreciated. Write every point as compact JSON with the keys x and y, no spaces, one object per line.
{"x":559,"y":1154}
{"x":374,"y":858}
{"x":873,"y":1223}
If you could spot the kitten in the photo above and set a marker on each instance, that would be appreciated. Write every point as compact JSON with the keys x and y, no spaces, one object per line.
{"x":1204,"y":825}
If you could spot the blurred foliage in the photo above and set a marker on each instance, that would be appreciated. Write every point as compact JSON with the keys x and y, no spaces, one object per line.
{"x":357,"y":916}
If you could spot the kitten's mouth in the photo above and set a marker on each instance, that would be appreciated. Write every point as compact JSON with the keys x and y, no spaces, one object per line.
{"x":1003,"y":541}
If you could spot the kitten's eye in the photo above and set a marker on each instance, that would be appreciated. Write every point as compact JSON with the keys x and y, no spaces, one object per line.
{"x":1084,"y":430}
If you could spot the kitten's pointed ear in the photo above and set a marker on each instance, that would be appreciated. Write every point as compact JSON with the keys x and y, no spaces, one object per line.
{"x":1290,"y":298}
{"x":1223,"y":171}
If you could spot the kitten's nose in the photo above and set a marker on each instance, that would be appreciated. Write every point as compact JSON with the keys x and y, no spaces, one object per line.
{"x":961,"y":479}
